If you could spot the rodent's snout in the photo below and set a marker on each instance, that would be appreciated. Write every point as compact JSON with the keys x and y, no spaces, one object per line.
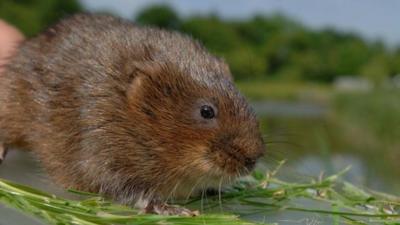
{"x":251,"y":160}
{"x":237,"y":156}
{"x":250,"y":163}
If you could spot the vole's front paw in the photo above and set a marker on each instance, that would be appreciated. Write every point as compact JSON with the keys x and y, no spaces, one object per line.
{"x":3,"y":152}
{"x":168,"y":210}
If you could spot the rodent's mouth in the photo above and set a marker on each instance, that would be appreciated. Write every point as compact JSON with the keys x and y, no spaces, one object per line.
{"x":247,"y":163}
{"x":234,"y":156}
{"x":234,"y":164}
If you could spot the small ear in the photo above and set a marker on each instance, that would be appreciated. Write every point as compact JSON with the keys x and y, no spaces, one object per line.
{"x":140,"y":71}
{"x":144,"y":68}
{"x":138,"y":61}
{"x":135,"y":87}
{"x":149,"y":68}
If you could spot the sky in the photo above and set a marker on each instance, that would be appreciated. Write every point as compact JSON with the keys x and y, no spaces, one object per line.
{"x":373,"y":19}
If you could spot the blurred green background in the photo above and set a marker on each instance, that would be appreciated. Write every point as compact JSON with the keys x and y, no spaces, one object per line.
{"x":327,"y":98}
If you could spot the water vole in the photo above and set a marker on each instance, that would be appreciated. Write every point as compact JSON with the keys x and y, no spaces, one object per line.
{"x":135,"y":113}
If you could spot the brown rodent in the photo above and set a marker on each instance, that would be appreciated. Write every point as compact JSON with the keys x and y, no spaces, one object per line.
{"x":133,"y":113}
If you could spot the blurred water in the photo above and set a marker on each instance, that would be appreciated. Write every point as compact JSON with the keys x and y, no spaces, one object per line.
{"x":22,"y":168}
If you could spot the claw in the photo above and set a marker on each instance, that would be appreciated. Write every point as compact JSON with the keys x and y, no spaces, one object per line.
{"x":168,"y":210}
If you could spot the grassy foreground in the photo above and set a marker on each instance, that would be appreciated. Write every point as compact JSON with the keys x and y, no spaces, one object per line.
{"x":261,"y":193}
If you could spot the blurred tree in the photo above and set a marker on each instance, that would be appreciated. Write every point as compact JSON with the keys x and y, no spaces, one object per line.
{"x":377,"y":69}
{"x":32,"y":16}
{"x":162,"y":16}
{"x":217,"y":35}
{"x":352,"y":54}
{"x":395,"y":63}
{"x":276,"y":52}
{"x":310,"y":65}
{"x":246,"y":64}
{"x":290,"y":73}
{"x":259,"y":29}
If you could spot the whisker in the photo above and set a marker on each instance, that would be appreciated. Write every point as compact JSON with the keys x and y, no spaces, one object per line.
{"x":170,"y":195}
{"x":199,"y":180}
{"x":194,"y":186}
{"x":201,"y":201}
{"x":219,"y":194}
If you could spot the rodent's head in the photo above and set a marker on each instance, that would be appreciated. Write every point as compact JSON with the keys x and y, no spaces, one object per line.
{"x":201,"y":128}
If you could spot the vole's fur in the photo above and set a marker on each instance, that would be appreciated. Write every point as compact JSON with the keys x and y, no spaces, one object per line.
{"x":113,"y":108}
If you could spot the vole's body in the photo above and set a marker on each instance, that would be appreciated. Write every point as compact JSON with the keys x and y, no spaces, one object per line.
{"x":113,"y":108}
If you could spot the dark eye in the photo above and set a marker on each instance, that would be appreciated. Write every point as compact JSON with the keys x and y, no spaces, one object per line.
{"x":207,"y":112}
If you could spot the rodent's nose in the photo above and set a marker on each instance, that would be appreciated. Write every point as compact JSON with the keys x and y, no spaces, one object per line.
{"x":250,"y":163}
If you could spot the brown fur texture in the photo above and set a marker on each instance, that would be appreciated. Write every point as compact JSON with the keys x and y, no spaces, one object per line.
{"x":113,"y":108}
